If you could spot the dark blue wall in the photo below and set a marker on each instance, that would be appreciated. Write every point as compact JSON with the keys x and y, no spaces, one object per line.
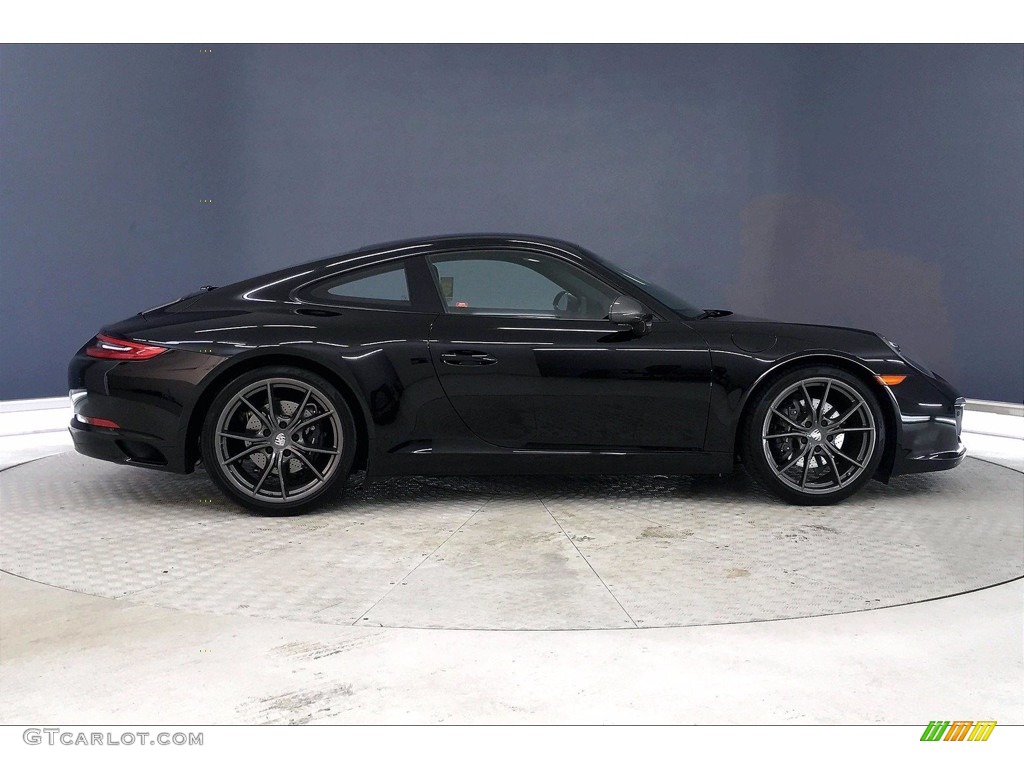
{"x":873,"y":186}
{"x":908,"y":216}
{"x":105,"y":152}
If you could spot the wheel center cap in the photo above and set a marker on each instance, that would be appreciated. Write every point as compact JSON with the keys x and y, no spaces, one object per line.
{"x":280,"y":439}
{"x":815,"y":435}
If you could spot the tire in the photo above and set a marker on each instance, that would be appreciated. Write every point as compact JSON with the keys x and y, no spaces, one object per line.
{"x":814,"y":436}
{"x":279,"y":440}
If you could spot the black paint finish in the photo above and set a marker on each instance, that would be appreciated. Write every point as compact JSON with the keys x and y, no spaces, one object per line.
{"x":439,"y":392}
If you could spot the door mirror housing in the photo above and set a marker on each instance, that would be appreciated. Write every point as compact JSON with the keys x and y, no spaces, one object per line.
{"x":626,"y":310}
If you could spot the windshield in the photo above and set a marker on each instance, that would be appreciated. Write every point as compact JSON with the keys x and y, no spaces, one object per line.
{"x":665,"y":296}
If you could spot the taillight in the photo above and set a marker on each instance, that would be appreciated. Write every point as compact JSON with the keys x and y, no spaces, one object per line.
{"x":109,"y":348}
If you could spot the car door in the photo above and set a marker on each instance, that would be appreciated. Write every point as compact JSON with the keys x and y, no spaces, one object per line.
{"x":528,"y":360}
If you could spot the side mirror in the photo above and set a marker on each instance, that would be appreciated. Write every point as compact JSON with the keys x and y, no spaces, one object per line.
{"x":626,"y":310}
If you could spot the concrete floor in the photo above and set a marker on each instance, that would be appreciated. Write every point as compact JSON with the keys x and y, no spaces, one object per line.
{"x":72,"y":657}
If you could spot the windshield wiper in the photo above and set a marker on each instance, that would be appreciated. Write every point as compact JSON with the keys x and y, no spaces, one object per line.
{"x":713,"y":313}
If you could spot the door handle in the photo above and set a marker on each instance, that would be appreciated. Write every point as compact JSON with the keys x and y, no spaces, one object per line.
{"x":467,"y":357}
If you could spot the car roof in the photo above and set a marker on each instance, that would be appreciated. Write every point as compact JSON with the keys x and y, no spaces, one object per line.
{"x":283,"y":279}
{"x":367,"y":254}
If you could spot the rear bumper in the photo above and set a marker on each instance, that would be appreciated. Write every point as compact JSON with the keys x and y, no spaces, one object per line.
{"x":124,"y":447}
{"x":150,"y":401}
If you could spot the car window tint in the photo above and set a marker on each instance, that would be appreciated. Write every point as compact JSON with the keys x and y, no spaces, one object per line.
{"x":507,"y":282}
{"x":388,"y":284}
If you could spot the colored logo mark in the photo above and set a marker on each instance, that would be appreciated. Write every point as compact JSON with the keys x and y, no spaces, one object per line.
{"x":958,"y":730}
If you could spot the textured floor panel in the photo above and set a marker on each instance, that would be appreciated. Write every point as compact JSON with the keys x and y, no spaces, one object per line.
{"x":668,"y":576}
{"x":512,"y":553}
{"x":333,"y":575}
{"x":509,"y":567}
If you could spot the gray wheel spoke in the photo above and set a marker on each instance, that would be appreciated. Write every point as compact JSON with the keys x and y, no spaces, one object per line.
{"x":270,"y":405}
{"x":853,"y":409}
{"x":248,"y":437}
{"x":784,"y":434}
{"x":307,"y":422}
{"x":257,"y":413}
{"x":243,"y":454}
{"x":306,"y":461}
{"x":809,"y":399}
{"x":824,"y":400}
{"x":786,"y":418}
{"x":308,"y":449}
{"x":298,"y":411}
{"x":266,"y":471}
{"x":852,"y":429}
{"x":835,"y":467}
{"x":836,"y":452}
{"x":807,"y":468}
{"x":805,"y":454}
{"x":280,"y":475}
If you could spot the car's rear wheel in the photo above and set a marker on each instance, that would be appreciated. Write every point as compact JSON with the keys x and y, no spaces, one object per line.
{"x":279,"y":440}
{"x":815,"y":435}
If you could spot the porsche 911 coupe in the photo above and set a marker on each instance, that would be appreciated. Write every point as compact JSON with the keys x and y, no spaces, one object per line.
{"x":496,"y":354}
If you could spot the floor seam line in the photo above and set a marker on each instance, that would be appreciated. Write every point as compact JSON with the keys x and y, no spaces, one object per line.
{"x":415,"y":567}
{"x":996,"y":464}
{"x":589,"y":565}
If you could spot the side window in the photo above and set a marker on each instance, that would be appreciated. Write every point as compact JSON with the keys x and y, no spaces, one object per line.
{"x":387,"y":285}
{"x":518,"y":283}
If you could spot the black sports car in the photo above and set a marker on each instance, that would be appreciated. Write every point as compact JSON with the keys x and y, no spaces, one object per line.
{"x":496,"y":354}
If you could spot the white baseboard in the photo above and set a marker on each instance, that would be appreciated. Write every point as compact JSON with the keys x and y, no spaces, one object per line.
{"x":34,"y":404}
{"x":993,"y":406}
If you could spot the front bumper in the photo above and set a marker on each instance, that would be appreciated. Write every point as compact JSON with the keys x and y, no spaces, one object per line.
{"x":933,"y":462}
{"x":930,"y":442}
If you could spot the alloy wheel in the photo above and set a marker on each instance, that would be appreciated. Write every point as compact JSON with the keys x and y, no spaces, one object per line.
{"x":279,"y":440}
{"x":819,"y":435}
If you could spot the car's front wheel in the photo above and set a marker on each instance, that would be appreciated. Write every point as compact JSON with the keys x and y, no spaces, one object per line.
{"x":279,"y":440}
{"x":815,"y":435}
